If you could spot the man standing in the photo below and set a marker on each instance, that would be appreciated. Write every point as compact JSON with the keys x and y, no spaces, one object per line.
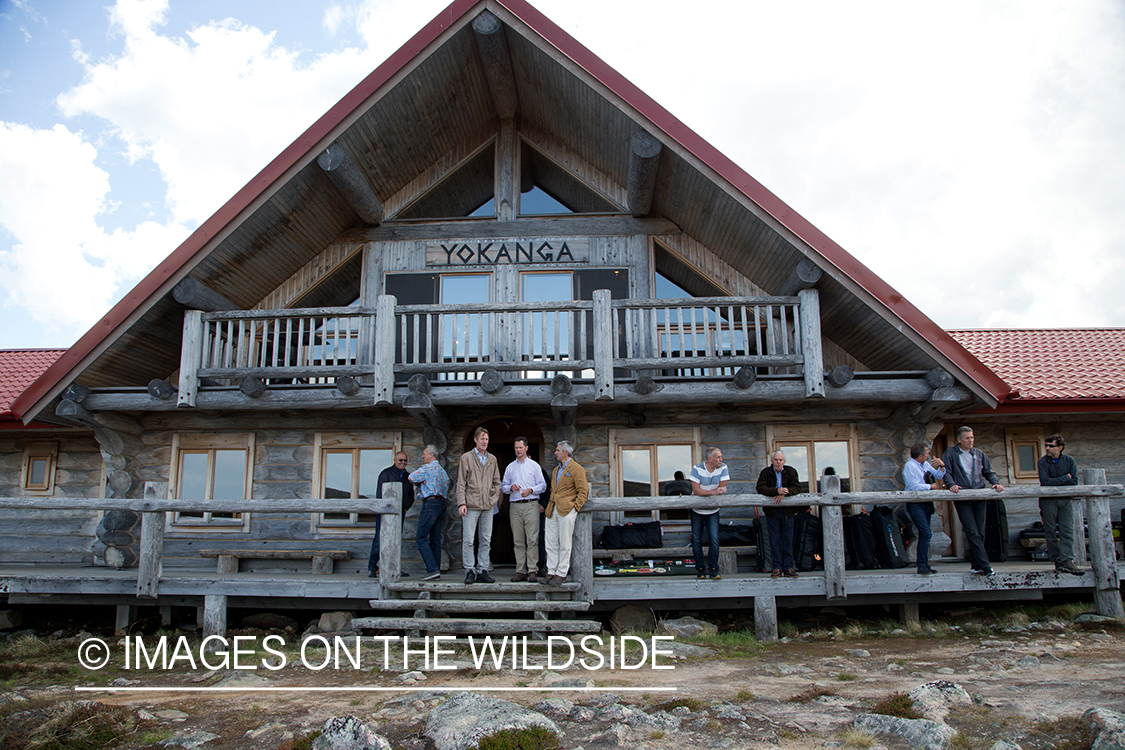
{"x":478,"y":491}
{"x":914,"y":476}
{"x":779,"y":482}
{"x":433,"y":486}
{"x":569,"y":490}
{"x":707,"y":478}
{"x":394,"y":473}
{"x":968,"y":468}
{"x":1057,"y":470}
{"x":523,"y":484}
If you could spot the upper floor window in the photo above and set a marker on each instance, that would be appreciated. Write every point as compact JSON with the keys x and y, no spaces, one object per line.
{"x":211,"y":467}
{"x":38,"y":474}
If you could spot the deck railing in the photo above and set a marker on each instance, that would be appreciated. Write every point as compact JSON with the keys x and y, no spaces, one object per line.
{"x":674,"y":338}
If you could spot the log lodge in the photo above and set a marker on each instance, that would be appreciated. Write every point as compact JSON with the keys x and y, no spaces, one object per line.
{"x":496,"y":229}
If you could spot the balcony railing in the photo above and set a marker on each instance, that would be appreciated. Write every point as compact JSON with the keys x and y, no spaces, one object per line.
{"x":599,"y":339}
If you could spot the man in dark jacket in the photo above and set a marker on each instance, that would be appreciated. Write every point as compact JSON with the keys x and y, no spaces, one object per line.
{"x":395,"y":473}
{"x":1057,"y":470}
{"x":967,"y":468}
{"x":780,"y":481}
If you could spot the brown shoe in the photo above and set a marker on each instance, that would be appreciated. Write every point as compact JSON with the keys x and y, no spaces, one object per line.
{"x":791,"y":573}
{"x":531,"y":578}
{"x":519,"y":577}
{"x":776,"y":573}
{"x":555,"y":580}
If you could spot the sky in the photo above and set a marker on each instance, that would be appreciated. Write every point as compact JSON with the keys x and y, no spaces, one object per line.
{"x":971,"y":154}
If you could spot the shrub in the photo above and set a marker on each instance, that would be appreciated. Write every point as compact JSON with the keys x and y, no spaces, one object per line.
{"x":897,"y":704}
{"x":530,"y":738}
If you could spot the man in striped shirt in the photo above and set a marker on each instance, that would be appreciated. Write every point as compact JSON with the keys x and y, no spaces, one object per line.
{"x":707,"y":478}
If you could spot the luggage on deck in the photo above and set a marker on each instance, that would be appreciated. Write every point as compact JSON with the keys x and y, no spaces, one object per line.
{"x":735,"y":536}
{"x":859,"y":542}
{"x":762,"y":562}
{"x":995,"y":530}
{"x":889,"y":548}
{"x":632,"y":535}
{"x":807,"y":541}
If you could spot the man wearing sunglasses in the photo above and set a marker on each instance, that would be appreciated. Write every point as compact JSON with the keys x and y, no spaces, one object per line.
{"x":1057,"y":470}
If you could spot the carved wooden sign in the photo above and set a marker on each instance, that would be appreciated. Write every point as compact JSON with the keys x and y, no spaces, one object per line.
{"x":505,"y":252}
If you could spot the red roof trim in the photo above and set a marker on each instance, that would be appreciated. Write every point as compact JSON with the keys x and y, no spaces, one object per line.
{"x":606,"y":75}
{"x":1058,"y":406}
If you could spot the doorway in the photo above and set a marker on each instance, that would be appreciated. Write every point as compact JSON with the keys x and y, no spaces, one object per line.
{"x":502,"y":433}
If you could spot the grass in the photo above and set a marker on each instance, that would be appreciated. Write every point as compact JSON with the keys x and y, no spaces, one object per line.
{"x":811,"y":694}
{"x":656,"y":734}
{"x":845,"y":677}
{"x":65,"y":725}
{"x":1065,"y":733}
{"x":743,"y":695}
{"x":856,"y":738}
{"x":530,"y":738}
{"x":692,"y":704}
{"x":733,"y":643}
{"x":301,"y":743}
{"x":897,"y":704}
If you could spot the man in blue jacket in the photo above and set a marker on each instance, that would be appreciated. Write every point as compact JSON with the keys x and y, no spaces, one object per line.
{"x":1057,"y":470}
{"x":968,"y":468}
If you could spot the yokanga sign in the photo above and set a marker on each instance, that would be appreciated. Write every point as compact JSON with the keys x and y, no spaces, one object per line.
{"x":504,"y":252}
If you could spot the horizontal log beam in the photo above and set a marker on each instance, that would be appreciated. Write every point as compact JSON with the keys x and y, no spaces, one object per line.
{"x":233,"y":505}
{"x":602,"y":226}
{"x":346,"y":176}
{"x":195,"y":295}
{"x":770,"y":392}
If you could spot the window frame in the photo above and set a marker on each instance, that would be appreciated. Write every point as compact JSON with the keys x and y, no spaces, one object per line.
{"x":32,"y":452}
{"x":651,"y":438}
{"x":1016,"y":437}
{"x":778,"y":435}
{"x":341,"y":442}
{"x":209,"y":443}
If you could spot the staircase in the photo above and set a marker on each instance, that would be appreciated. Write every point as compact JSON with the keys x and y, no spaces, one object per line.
{"x":460,"y":609}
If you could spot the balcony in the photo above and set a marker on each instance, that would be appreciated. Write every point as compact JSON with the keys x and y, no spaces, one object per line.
{"x":606,"y":345}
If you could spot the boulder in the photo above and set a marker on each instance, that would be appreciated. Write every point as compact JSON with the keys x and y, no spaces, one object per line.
{"x":934,"y":699}
{"x":632,"y":618}
{"x":332,"y":622}
{"x":349,"y":733}
{"x":465,"y":719}
{"x":920,"y":734}
{"x":688,"y":627}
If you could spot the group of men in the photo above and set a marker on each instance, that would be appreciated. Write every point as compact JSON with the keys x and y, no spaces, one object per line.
{"x":478,"y":492}
{"x":480,"y":486}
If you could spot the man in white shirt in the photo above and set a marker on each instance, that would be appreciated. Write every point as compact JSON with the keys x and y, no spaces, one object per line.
{"x":523,"y":483}
{"x":707,"y":478}
{"x":914,"y":475}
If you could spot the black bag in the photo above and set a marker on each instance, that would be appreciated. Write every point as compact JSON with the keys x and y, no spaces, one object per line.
{"x":762,"y":561}
{"x":996,"y":530}
{"x":889,"y":549}
{"x":807,"y":541}
{"x":859,"y":540}
{"x":735,"y":536}
{"x":632,"y":535}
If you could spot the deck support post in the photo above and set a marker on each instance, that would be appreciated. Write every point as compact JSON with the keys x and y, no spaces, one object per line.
{"x":123,"y":618}
{"x":385,"y":349}
{"x":582,"y":557}
{"x":810,"y":343}
{"x":1107,"y":586}
{"x":214,"y":620}
{"x":910,"y":614}
{"x":604,"y":331}
{"x":390,"y":541}
{"x":151,"y":557}
{"x":191,"y":354}
{"x":832,"y":528}
{"x":765,"y":618}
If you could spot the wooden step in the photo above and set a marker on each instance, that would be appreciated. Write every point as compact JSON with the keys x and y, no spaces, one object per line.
{"x":442,"y":587}
{"x":481,"y":605}
{"x":475,"y":625}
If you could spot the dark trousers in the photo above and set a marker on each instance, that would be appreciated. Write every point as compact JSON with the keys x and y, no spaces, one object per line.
{"x":971,"y":513}
{"x":429,"y":532}
{"x":780,"y":525}
{"x":373,"y":558}
{"x":920,"y":516}
{"x":542,"y":545}
{"x":705,"y":526}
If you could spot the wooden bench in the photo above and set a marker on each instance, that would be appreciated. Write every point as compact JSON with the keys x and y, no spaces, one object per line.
{"x":728,"y":556}
{"x":321,"y":559}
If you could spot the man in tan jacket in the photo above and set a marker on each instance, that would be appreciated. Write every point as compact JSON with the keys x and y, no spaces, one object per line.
{"x":478,"y":492}
{"x":569,"y":491}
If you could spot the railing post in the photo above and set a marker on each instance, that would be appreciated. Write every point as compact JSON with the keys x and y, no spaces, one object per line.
{"x":604,"y":331}
{"x":811,"y":344}
{"x":390,"y":541}
{"x":1107,"y":592}
{"x":385,"y":349}
{"x":191,"y":354}
{"x":832,"y":527}
{"x":151,"y":562}
{"x":582,"y":556}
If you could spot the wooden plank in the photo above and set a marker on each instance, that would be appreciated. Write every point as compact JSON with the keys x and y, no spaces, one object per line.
{"x":810,"y":343}
{"x":604,"y":333}
{"x":476,"y":626}
{"x":237,"y":505}
{"x":191,"y":354}
{"x":390,"y":540}
{"x":151,"y":562}
{"x":565,"y":226}
{"x":384,"y":384}
{"x":832,"y":528}
{"x":276,"y":554}
{"x":442,"y":588}
{"x":765,"y":618}
{"x":480,"y":605}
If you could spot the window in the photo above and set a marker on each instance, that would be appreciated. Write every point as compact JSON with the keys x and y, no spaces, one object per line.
{"x":811,"y":449}
{"x":546,"y":336}
{"x":348,"y":466}
{"x":1024,"y":448}
{"x":38,"y":475}
{"x":646,"y":461}
{"x":211,"y":467}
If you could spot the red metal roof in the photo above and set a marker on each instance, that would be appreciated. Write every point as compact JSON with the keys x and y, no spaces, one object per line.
{"x":123,"y":312}
{"x":1061,"y":366}
{"x":19,"y":368}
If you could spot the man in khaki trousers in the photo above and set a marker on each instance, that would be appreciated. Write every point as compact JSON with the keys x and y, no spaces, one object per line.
{"x":569,"y":491}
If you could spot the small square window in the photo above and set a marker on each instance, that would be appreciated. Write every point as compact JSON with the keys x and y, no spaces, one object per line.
{"x":39,"y":462}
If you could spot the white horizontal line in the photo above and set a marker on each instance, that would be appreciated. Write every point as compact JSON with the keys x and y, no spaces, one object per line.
{"x":357,"y":689}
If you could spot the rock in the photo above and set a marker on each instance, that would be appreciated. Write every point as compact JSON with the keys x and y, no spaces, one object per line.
{"x":921,"y":734}
{"x":331,"y":622}
{"x":273,"y":726}
{"x":688,"y":627}
{"x":122,"y":682}
{"x":1093,"y":618}
{"x":1029,"y":661}
{"x":602,"y":699}
{"x":946,"y":670}
{"x":895,"y":668}
{"x":616,"y":736}
{"x":581,"y":682}
{"x":632,"y":618}
{"x":349,"y":733}
{"x":859,"y":653}
{"x":582,"y":714}
{"x":190,"y":739}
{"x":463,"y":720}
{"x":793,"y":669}
{"x":269,"y":621}
{"x":1103,"y":719}
{"x":1109,"y":741}
{"x":559,"y":708}
{"x":10,"y":619}
{"x":171,"y":714}
{"x":1005,"y":745}
{"x":242,"y":678}
{"x":611,"y":712}
{"x":685,"y":650}
{"x":934,"y":699}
